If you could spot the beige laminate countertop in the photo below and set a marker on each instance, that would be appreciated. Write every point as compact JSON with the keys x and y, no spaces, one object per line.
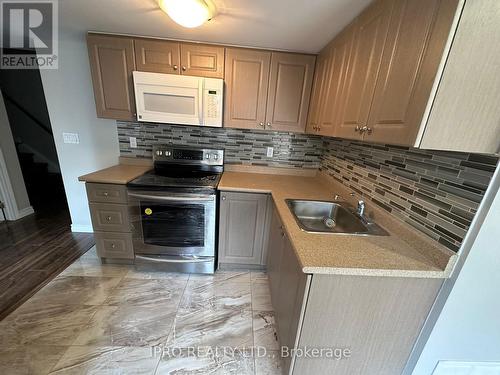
{"x":404,"y":253}
{"x":118,"y":174}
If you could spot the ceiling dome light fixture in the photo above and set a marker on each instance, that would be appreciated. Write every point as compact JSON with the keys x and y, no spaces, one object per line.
{"x":189,"y":13}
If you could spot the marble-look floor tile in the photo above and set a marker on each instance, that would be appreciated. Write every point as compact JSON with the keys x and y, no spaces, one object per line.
{"x":106,"y":360}
{"x":261,"y":296}
{"x":128,"y":325}
{"x":94,"y":268}
{"x":271,"y":364}
{"x":221,"y":276}
{"x":258,"y":275}
{"x":264,"y":330}
{"x":149,"y":272}
{"x":209,"y":361}
{"x":215,"y":328}
{"x":147,"y":292}
{"x":76,"y":290}
{"x":223,"y":294}
{"x":29,"y":359}
{"x":44,"y":324}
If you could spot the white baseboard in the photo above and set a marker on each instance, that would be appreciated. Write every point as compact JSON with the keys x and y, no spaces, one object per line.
{"x":25,"y":212}
{"x":466,"y":368}
{"x":82,"y":228}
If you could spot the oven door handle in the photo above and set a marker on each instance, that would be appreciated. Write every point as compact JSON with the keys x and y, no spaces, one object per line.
{"x":171,"y":260}
{"x":172,"y":199}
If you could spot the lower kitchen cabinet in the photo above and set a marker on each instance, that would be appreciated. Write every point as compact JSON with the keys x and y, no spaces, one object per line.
{"x":243,"y":228}
{"x":372,"y":322}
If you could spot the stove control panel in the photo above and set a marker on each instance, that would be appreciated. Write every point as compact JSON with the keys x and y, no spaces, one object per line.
{"x":188,"y":155}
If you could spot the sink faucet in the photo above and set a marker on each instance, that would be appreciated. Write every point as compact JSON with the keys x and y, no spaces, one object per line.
{"x":361,"y":209}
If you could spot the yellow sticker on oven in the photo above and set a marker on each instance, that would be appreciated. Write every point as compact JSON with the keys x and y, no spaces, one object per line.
{"x":148,"y":211}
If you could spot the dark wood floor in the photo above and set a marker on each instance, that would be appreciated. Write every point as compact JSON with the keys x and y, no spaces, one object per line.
{"x":33,"y":251}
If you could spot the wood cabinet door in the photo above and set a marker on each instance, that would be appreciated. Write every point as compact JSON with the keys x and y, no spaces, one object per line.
{"x":369,"y":39}
{"x":417,"y":36}
{"x":202,"y":60}
{"x":337,"y":68}
{"x":242,"y":227}
{"x":274,"y":254}
{"x":157,"y":56}
{"x":111,"y":66}
{"x":317,"y":94}
{"x":246,"y":77}
{"x":289,"y":92}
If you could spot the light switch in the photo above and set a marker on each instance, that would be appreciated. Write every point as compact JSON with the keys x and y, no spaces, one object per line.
{"x":270,"y":152}
{"x":71,"y":138}
{"x":133,"y":142}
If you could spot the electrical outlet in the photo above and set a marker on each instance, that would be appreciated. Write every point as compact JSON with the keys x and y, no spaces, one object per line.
{"x":133,"y":142}
{"x":71,"y":138}
{"x":270,"y":152}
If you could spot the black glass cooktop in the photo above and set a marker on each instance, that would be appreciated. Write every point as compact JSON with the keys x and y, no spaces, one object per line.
{"x":194,"y":180}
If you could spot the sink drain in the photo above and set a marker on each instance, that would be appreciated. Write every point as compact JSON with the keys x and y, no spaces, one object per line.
{"x":330,"y":223}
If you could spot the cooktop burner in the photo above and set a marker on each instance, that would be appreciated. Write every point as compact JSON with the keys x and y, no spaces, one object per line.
{"x":151,"y":179}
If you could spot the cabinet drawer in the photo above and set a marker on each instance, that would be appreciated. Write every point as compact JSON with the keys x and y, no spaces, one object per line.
{"x":114,"y":245}
{"x":106,"y":193}
{"x":109,"y":217}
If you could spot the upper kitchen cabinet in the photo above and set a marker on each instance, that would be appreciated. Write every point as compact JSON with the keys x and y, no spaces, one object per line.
{"x":247,"y":79}
{"x":337,"y":67}
{"x":158,"y":56}
{"x":202,"y":60}
{"x":289,"y":92}
{"x":369,"y":32}
{"x":111,"y":65}
{"x":416,"y":40}
{"x":465,"y":114}
{"x":318,"y":92}
{"x":267,"y":90}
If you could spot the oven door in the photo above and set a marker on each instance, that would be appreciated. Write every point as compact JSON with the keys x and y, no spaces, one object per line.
{"x":173,"y":225}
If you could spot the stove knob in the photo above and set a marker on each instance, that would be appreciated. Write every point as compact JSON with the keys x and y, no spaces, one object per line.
{"x":216,"y":157}
{"x":207,"y":156}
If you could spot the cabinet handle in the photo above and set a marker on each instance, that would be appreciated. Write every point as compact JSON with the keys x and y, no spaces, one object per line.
{"x":269,"y":125}
{"x":113,"y":245}
{"x":261,"y":124}
{"x":105,"y":193}
{"x":223,"y":197}
{"x":183,"y":68}
{"x":108,"y":218}
{"x":175,"y":67}
{"x":369,"y":130}
{"x":357,"y":128}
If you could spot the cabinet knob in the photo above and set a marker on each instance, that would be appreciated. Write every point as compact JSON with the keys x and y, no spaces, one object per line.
{"x":223,"y":198}
{"x":261,"y":124}
{"x":108,"y":218}
{"x":113,"y":245}
{"x":363,"y":129}
{"x":357,"y":128}
{"x":183,"y":68}
{"x":175,"y":67}
{"x":269,"y":125}
{"x":369,"y":130}
{"x":105,"y":194}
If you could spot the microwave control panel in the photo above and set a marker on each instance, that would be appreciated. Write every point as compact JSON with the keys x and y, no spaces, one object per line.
{"x":213,"y":98}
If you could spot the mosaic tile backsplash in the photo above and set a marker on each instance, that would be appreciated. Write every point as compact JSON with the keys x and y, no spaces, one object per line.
{"x":437,"y":192}
{"x":241,"y":146}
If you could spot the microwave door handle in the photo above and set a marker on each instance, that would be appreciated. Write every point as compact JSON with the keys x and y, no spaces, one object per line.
{"x":171,"y":199}
{"x":201,"y":101}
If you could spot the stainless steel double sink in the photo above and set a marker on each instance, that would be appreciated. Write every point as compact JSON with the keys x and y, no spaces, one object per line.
{"x":331,"y":217}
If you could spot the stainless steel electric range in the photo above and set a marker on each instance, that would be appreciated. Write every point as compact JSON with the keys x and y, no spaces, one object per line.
{"x":173,"y":209}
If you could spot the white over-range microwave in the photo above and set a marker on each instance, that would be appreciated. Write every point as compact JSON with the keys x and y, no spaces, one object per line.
{"x":178,"y":99}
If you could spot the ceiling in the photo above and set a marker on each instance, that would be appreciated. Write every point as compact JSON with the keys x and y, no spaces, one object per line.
{"x":295,"y":25}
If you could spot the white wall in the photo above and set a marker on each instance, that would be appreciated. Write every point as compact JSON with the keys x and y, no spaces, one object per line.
{"x":468,"y":329}
{"x":70,"y":102}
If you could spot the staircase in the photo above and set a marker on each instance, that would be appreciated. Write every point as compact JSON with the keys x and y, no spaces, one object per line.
{"x":45,"y":189}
